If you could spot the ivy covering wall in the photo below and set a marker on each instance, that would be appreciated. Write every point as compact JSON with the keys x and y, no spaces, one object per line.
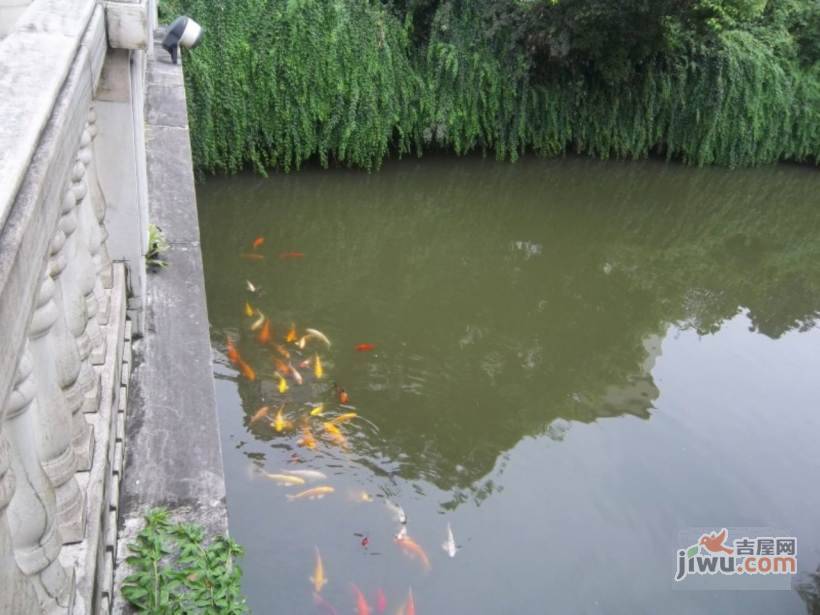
{"x":279,"y":82}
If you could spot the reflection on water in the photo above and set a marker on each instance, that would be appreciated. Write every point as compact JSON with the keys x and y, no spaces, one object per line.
{"x":513,"y":309}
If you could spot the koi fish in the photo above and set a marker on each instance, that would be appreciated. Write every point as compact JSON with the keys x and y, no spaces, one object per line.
{"x":264,"y":334}
{"x":344,"y":417}
{"x":280,"y":423}
{"x":317,"y":493}
{"x":410,"y":605}
{"x":287,"y":255}
{"x":250,"y":286}
{"x":381,"y":601}
{"x":292,"y":337}
{"x":232,"y":352}
{"x":248,"y":310}
{"x":411,"y":548}
{"x":296,"y":375}
{"x":250,"y":256}
{"x":284,"y":479}
{"x":449,"y":545}
{"x":283,"y":384}
{"x":257,"y":243}
{"x":365,"y":347}
{"x":362,"y":608}
{"x":324,"y":605}
{"x":318,"y":335}
{"x":307,"y":440}
{"x":281,"y":367}
{"x":335,"y":434}
{"x":360,"y":495}
{"x":302,"y":341}
{"x":260,"y":414}
{"x":308,"y":475}
{"x":305,"y":364}
{"x":343,"y":396}
{"x":398,"y":512}
{"x":247,"y":370}
{"x":317,"y":367}
{"x":318,"y":410}
{"x":259,"y":321}
{"x":318,"y":579}
{"x":282,"y":350}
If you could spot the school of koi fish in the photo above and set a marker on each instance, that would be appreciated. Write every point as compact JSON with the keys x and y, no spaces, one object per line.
{"x":296,"y":361}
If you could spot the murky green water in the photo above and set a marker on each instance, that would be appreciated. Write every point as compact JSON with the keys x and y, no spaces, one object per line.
{"x":574,"y":361}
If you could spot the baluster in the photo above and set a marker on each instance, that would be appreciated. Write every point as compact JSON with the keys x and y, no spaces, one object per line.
{"x":67,"y":360}
{"x":74,"y":303}
{"x":104,"y":267}
{"x":55,"y":429}
{"x":16,"y":592}
{"x":89,"y":283}
{"x":32,"y":512}
{"x":89,"y":221}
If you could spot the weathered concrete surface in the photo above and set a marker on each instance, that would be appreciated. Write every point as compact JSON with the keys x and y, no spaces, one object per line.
{"x":173,"y":454}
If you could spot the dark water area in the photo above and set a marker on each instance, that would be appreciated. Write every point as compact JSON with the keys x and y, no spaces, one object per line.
{"x":574,"y":362}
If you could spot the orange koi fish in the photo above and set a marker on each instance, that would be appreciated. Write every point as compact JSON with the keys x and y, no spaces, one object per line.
{"x":283,"y":384}
{"x":307,"y":440}
{"x":365,"y":347}
{"x":247,"y":370}
{"x":281,"y":367}
{"x":381,"y":601}
{"x":318,"y":579}
{"x":250,"y":256}
{"x":281,"y":350}
{"x":232,"y":352}
{"x":362,"y":608}
{"x":317,"y":368}
{"x":411,"y":548}
{"x":342,"y":418}
{"x":288,"y":255}
{"x":317,"y":493}
{"x":257,"y":243}
{"x":280,"y":423}
{"x":410,"y":605}
{"x":248,"y":310}
{"x":260,"y":414}
{"x":343,"y":396}
{"x":292,"y":337}
{"x":264,"y":334}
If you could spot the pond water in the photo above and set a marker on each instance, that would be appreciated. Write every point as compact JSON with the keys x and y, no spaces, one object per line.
{"x":575,"y":361}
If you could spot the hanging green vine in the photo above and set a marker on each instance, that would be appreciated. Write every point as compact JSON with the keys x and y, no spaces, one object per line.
{"x":279,"y":82}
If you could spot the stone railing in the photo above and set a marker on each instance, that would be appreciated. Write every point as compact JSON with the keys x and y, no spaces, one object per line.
{"x":72,"y":237}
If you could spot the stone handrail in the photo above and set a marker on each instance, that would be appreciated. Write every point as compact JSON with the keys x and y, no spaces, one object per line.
{"x":67,"y":70}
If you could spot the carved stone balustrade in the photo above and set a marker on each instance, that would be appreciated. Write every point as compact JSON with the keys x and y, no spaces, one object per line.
{"x":72,"y":227}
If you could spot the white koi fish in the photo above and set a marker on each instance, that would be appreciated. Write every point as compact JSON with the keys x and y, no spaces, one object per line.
{"x":449,"y":545}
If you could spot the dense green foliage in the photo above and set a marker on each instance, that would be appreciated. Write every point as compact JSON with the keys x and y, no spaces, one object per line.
{"x":278,"y":82}
{"x":175,"y":572}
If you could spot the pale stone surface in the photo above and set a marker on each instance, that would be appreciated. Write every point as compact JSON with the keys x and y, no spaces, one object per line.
{"x":173,"y":457}
{"x":127,"y":24}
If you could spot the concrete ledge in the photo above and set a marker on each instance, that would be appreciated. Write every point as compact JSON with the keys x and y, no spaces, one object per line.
{"x":173,"y":456}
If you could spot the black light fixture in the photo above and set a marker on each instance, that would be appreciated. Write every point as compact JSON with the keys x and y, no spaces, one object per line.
{"x":183,"y":32}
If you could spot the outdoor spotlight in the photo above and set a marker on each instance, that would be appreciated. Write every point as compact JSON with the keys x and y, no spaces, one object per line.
{"x":183,"y":32}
